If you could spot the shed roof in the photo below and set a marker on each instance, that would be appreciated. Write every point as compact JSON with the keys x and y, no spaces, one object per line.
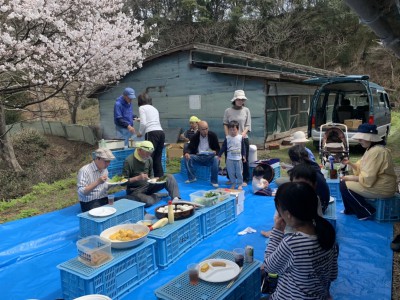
{"x":229,"y":61}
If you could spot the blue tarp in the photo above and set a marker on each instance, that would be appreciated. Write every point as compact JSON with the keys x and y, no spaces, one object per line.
{"x":32,"y":248}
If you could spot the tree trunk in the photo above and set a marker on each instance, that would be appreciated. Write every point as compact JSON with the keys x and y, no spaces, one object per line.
{"x":6,"y":149}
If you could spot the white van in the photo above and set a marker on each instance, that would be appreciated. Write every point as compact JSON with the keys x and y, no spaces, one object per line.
{"x":349,"y":100}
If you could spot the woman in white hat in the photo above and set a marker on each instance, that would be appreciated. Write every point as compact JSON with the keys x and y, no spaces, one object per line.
{"x":238,"y":112}
{"x":299,"y":138}
{"x":374,"y":176}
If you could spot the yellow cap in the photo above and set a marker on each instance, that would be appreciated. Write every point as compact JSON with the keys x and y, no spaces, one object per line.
{"x":194,"y":119}
{"x":146,"y":146}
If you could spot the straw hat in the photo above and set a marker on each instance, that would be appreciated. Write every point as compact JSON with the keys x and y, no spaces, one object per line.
{"x":239,"y":94}
{"x":299,"y":137}
{"x":367,"y":132}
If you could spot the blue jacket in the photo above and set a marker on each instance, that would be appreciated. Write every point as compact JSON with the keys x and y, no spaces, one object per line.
{"x":123,"y":113}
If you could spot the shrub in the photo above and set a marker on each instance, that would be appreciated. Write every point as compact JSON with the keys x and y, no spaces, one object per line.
{"x":88,"y":103}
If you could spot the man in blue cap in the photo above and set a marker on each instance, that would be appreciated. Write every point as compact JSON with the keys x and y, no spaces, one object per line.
{"x":123,"y":115}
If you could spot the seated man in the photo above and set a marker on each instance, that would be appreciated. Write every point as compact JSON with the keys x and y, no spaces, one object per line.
{"x":138,"y":168}
{"x":92,"y":186}
{"x":206,"y":142}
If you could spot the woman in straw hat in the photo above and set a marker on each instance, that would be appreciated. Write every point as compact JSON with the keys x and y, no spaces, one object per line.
{"x":374,"y":175}
{"x":238,"y":112}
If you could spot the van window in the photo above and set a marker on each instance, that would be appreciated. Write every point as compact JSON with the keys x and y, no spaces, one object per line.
{"x":324,"y":108}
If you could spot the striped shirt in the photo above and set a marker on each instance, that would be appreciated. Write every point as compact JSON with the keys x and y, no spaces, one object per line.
{"x":86,"y":175}
{"x":305,"y":269}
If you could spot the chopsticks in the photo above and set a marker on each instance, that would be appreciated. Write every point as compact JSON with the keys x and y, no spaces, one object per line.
{"x":234,"y":279}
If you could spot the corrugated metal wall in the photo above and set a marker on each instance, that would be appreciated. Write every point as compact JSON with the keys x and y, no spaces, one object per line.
{"x":171,"y":79}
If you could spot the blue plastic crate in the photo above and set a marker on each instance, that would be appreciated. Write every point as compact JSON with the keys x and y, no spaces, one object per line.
{"x":127,"y":270}
{"x":173,"y":240}
{"x":334,"y":188}
{"x":387,"y":209}
{"x":116,"y":165}
{"x":245,"y":287}
{"x":128,"y":211}
{"x":218,"y":216}
{"x":330,"y":213}
{"x":202,"y":172}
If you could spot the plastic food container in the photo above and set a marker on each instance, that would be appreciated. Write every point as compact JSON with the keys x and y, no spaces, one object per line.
{"x":94,"y":251}
{"x":200,"y":198}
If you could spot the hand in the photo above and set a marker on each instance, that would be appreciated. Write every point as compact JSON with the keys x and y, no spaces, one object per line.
{"x":219,"y":157}
{"x":139,"y":135}
{"x":350,"y":178}
{"x":143,"y":176}
{"x":345,"y":161}
{"x":102,"y":179}
{"x":244,"y":159}
{"x":187,"y":156}
{"x":131,"y":129}
{"x":244,"y":134}
{"x":279,"y":223}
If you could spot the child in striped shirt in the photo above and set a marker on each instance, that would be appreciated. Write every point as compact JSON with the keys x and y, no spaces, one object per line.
{"x":306,"y":260}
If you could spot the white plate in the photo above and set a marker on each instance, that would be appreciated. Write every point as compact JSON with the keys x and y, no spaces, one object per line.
{"x":331,"y":199}
{"x":219,"y":274}
{"x":93,"y":297}
{"x":118,"y":182}
{"x":102,"y":211}
{"x":154,"y":181}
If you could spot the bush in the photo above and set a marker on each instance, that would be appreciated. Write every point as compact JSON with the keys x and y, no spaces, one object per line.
{"x":88,"y":103}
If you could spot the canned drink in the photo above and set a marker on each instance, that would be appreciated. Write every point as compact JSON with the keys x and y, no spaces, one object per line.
{"x":249,"y":254}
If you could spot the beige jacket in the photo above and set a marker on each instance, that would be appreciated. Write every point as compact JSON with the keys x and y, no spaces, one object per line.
{"x":376,"y":176}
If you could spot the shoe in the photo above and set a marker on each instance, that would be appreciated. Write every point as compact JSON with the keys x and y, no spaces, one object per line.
{"x":215,"y":185}
{"x":395,"y":245}
{"x":190,"y":181}
{"x":244,"y":184}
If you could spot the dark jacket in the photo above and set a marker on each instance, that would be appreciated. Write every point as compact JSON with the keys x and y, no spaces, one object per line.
{"x":195,"y":141}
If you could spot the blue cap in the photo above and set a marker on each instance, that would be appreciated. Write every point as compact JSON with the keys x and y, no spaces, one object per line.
{"x":130,"y":92}
{"x":367,"y":128}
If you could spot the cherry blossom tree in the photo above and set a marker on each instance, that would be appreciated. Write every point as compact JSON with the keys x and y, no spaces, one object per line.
{"x":45,"y":45}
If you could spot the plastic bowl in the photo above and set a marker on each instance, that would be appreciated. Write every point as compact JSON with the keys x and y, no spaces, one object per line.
{"x":126,"y":244}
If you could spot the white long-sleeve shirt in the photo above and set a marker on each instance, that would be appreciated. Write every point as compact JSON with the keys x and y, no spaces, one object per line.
{"x":149,"y":119}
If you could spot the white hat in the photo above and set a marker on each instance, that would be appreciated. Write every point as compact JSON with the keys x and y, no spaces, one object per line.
{"x":299,"y":137}
{"x":239,"y":94}
{"x":105,"y":154}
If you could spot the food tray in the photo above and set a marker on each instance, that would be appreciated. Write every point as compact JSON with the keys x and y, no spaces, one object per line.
{"x":245,"y":287}
{"x":198,"y":197}
{"x":173,"y":240}
{"x":129,"y":269}
{"x":218,"y":216}
{"x":128,"y":211}
{"x":177,"y":215}
{"x":94,"y":251}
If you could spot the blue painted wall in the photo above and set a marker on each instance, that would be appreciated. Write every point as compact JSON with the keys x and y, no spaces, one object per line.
{"x":171,"y":79}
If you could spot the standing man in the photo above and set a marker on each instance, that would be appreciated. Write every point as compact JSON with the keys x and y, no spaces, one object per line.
{"x":92,"y":185}
{"x":123,"y":115}
{"x":203,"y":149}
{"x":138,"y":167}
